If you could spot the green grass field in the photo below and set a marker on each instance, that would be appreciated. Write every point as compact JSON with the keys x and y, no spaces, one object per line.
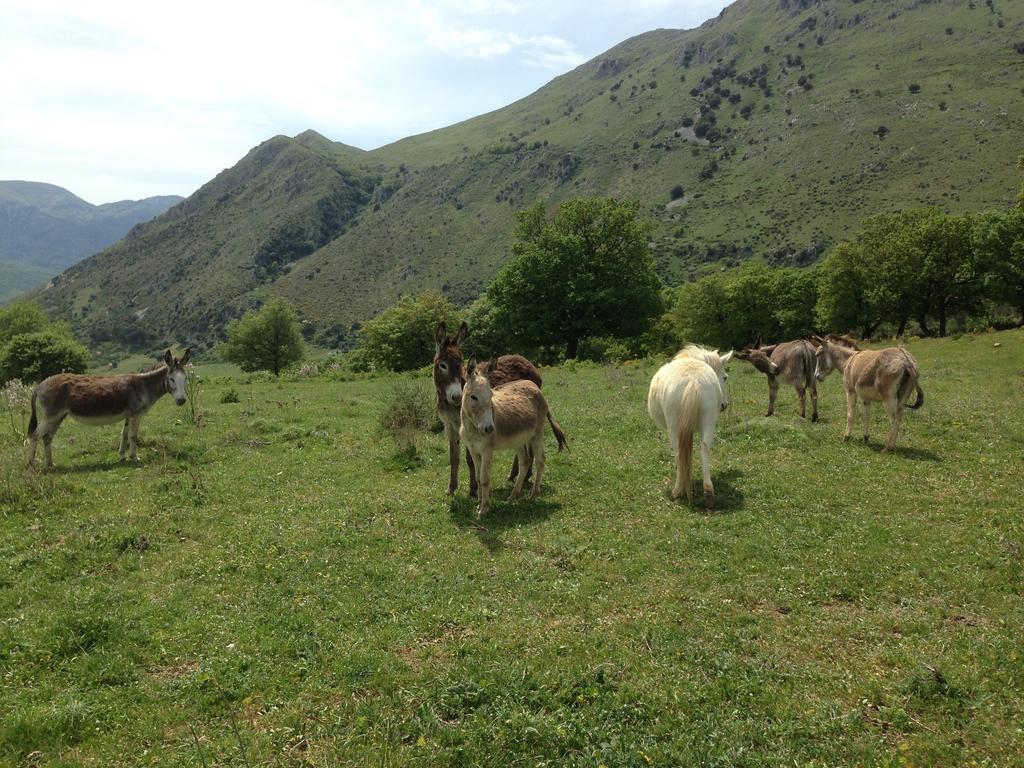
{"x":277,"y":588}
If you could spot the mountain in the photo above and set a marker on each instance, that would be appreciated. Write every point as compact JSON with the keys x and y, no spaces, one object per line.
{"x":770,"y":131}
{"x":45,"y":229}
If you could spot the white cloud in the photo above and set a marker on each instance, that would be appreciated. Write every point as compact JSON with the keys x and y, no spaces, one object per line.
{"x":117,"y":98}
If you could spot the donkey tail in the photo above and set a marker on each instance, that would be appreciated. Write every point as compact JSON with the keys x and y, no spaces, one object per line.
{"x":909,"y":383}
{"x":689,"y":414}
{"x":920,"y":397}
{"x":32,"y":422}
{"x":559,"y":434}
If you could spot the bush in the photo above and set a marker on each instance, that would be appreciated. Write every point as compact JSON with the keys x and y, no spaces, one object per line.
{"x":401,"y":338}
{"x":268,"y":339}
{"x":677,"y":192}
{"x":603,"y":349}
{"x":408,"y":409}
{"x":914,"y":88}
{"x":34,"y":356}
{"x":230,"y":396}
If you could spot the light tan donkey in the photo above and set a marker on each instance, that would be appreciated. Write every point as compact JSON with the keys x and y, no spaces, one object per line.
{"x":103,"y":400}
{"x":510,"y":416}
{"x":888,"y":376}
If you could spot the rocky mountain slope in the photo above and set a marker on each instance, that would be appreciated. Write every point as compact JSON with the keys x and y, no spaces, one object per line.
{"x":769,"y":131}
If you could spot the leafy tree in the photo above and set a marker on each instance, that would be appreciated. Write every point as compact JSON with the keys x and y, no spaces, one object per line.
{"x":21,"y":317}
{"x":999,"y":243}
{"x":891,"y":267}
{"x":751,"y":302}
{"x":950,"y":270}
{"x":36,"y":355}
{"x":843,"y":292}
{"x":267,"y":339}
{"x":402,"y":337}
{"x":587,"y":272}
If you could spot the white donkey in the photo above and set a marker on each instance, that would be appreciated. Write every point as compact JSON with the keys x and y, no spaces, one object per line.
{"x":686,"y":396}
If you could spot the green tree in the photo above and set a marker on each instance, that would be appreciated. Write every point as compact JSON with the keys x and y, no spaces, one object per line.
{"x":587,"y":272}
{"x":843,"y":292}
{"x":402,"y":337}
{"x":34,"y":356}
{"x":999,"y":243}
{"x":21,"y":317}
{"x":267,"y":339}
{"x":950,"y":271}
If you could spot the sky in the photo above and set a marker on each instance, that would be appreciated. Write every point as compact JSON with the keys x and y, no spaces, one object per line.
{"x":123,"y":100}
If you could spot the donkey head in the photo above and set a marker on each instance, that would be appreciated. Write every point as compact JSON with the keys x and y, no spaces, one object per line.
{"x":759,"y":357}
{"x":177,"y":378}
{"x":831,"y":354}
{"x":449,"y":375}
{"x":477,"y":410}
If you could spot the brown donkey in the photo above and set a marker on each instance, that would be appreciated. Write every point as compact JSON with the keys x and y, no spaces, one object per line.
{"x":449,"y":374}
{"x":103,"y":400}
{"x":885,"y":375}
{"x":509,"y":416}
{"x":791,"y":361}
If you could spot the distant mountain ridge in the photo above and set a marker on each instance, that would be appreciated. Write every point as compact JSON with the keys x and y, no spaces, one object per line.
{"x":770,"y":131}
{"x":46,"y":226}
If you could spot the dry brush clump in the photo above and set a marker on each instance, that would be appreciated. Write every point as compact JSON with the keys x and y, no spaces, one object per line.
{"x":407,"y":410}
{"x":16,"y":400}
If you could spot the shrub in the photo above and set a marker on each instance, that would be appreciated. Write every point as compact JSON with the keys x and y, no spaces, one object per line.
{"x":16,"y":399}
{"x":402,"y":337}
{"x":268,"y":339}
{"x":677,"y":192}
{"x":407,"y":410}
{"x":914,"y":88}
{"x":230,"y":396}
{"x":34,"y":356}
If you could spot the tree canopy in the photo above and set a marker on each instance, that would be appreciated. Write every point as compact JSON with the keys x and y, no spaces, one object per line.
{"x":401,"y":337}
{"x":266,"y":339}
{"x":587,"y":272}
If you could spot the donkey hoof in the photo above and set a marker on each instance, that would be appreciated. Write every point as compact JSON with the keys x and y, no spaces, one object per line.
{"x":814,"y":418}
{"x":709,"y":501}
{"x":846,"y":438}
{"x":865,"y":439}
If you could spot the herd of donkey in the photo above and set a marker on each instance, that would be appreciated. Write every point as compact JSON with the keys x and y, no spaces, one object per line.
{"x":499,"y":405}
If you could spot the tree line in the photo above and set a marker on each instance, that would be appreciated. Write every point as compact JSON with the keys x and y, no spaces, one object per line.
{"x":582,"y":282}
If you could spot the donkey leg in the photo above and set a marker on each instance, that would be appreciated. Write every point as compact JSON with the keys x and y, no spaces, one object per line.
{"x":802,"y":394}
{"x":473,"y":474}
{"x":705,"y":468}
{"x":484,"y":468}
{"x":773,"y":392}
{"x":522,"y":459}
{"x":537,"y":451}
{"x":133,"y":436}
{"x":895,"y":414}
{"x":124,"y":440}
{"x":453,"y":462}
{"x":514,"y":472}
{"x":814,"y":400}
{"x":865,"y":409}
{"x":48,"y":448}
{"x":851,"y":407}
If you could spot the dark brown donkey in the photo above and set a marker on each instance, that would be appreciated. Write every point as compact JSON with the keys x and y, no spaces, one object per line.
{"x":793,"y":362}
{"x":103,"y":400}
{"x":449,"y":380}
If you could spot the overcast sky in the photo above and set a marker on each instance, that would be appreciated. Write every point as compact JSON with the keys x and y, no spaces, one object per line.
{"x":123,"y":100}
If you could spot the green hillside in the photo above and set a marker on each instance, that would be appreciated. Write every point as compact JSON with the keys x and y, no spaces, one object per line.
{"x":15,"y":278}
{"x":784,"y":122}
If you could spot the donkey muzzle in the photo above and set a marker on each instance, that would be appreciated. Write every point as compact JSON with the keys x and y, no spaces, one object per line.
{"x":180,"y":402}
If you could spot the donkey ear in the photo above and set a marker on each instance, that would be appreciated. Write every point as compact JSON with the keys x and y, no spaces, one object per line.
{"x":492,"y":363}
{"x":726,"y":357}
{"x":168,"y":358}
{"x":440,"y":335}
{"x":462,"y":334}
{"x":185,"y":357}
{"x":471,"y":367}
{"x":817,"y":341}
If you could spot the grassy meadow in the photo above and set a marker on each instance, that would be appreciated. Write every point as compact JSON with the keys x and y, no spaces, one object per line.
{"x":278,"y":587}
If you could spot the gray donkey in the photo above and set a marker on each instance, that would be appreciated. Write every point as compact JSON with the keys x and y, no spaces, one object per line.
{"x":793,"y":362}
